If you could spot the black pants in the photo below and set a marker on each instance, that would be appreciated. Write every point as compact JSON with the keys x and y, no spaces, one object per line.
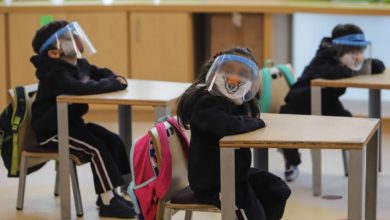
{"x":292,"y":156}
{"x":105,"y":150}
{"x":263,"y":197}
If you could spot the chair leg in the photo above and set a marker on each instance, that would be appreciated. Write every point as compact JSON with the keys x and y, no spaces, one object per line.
{"x":57,"y":183}
{"x":345,"y":162}
{"x":188,"y":215}
{"x":167,"y":213}
{"x":22,"y":182}
{"x":76,"y":190}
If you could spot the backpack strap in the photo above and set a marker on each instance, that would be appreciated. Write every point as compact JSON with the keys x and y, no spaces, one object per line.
{"x":18,"y":116}
{"x":175,"y":124}
{"x":288,"y":75}
{"x":164,"y":180}
{"x":266,"y":91}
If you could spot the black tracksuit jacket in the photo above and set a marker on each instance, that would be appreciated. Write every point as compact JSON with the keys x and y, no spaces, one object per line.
{"x":57,"y":77}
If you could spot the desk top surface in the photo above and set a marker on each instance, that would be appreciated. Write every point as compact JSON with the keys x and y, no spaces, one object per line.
{"x":206,"y":6}
{"x":306,"y":131}
{"x":138,"y":92}
{"x":377,"y":81}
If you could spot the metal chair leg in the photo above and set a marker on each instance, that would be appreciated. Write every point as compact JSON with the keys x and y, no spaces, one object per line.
{"x":76,"y":190}
{"x":57,"y":183}
{"x":345,"y":162}
{"x":188,"y":215}
{"x":22,"y":182}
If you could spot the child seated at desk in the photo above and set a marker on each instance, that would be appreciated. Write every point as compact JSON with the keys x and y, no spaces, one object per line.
{"x":223,"y":101}
{"x":345,"y":54}
{"x":61,"y":70}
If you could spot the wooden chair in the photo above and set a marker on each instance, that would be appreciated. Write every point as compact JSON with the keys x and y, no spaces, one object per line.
{"x":32,"y":154}
{"x":279,"y":90}
{"x":179,"y":196}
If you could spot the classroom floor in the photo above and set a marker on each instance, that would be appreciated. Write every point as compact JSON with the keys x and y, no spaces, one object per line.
{"x":41,"y":204}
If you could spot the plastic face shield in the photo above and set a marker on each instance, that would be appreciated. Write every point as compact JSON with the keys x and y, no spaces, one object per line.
{"x":71,"y":40}
{"x":234,"y":77}
{"x":355,"y":53}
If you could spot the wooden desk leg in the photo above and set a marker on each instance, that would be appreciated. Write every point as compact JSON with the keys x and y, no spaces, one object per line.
{"x":125,"y":126}
{"x":228,"y":190}
{"x":63,"y":149}
{"x":260,"y":159}
{"x":374,"y":111}
{"x":161,"y":111}
{"x":316,"y":154}
{"x":356,"y":184}
{"x":372,"y":175}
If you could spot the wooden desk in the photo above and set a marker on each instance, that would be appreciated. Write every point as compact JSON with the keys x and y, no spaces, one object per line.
{"x":160,"y":95}
{"x":358,"y":135}
{"x":374,"y":84}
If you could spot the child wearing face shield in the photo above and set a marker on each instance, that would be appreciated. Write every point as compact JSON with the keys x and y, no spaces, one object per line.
{"x":61,"y":69}
{"x":224,"y":101}
{"x":345,"y":54}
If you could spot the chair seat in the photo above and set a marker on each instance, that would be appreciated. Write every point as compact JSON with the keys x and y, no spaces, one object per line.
{"x":186,"y":200}
{"x":38,"y":151}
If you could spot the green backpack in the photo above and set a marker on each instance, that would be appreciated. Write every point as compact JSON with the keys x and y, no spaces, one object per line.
{"x":12,"y":127}
{"x":266,"y":76}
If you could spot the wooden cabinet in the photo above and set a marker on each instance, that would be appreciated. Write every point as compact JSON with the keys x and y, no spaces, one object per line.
{"x":108,"y":32}
{"x":237,"y":30}
{"x":22,"y":28}
{"x":162,"y":46}
{"x":3,"y":75}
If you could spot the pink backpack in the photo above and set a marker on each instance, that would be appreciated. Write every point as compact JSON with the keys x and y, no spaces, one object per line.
{"x":150,"y":181}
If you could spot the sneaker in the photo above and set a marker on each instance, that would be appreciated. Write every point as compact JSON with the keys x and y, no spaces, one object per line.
{"x":99,"y":201}
{"x":117,"y":209}
{"x":291,"y":173}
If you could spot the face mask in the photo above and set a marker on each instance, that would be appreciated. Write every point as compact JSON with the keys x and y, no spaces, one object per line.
{"x":351,"y":61}
{"x":233,"y":88}
{"x":68,"y":48}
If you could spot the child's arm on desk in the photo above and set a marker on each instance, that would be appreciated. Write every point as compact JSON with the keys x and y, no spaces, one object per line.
{"x":377,"y":66}
{"x":211,"y":116}
{"x":69,"y":85}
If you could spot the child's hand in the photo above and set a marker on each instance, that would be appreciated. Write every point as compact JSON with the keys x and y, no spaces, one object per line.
{"x":121,"y":80}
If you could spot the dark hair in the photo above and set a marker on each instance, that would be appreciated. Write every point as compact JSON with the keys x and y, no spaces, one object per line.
{"x":45,"y":32}
{"x":343,"y":30}
{"x":197,"y":89}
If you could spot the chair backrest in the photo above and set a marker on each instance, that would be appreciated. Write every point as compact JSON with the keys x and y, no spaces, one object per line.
{"x":279,"y":89}
{"x":179,"y":159}
{"x":26,"y":136}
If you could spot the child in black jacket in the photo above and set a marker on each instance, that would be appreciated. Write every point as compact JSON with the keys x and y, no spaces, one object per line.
{"x":61,"y":70}
{"x":337,"y":57}
{"x":222,"y":102}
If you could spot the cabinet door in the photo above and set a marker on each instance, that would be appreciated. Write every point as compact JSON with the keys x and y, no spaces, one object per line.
{"x":3,"y":77}
{"x":108,"y":32}
{"x":162,"y":46}
{"x":22,"y":28}
{"x":244,"y":30}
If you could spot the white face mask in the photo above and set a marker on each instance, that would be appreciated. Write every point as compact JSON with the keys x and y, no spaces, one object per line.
{"x":234,"y":92}
{"x":351,"y":61}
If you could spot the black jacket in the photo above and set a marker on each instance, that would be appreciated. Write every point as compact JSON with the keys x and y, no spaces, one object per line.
{"x":213,"y":118}
{"x":57,"y":77}
{"x":324,"y":65}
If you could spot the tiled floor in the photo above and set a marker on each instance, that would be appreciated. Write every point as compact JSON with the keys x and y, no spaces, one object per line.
{"x":41,"y":204}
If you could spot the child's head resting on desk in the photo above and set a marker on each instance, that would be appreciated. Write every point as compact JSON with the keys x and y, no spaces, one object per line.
{"x":352,"y":50}
{"x":232,"y":74}
{"x":62,"y":40}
